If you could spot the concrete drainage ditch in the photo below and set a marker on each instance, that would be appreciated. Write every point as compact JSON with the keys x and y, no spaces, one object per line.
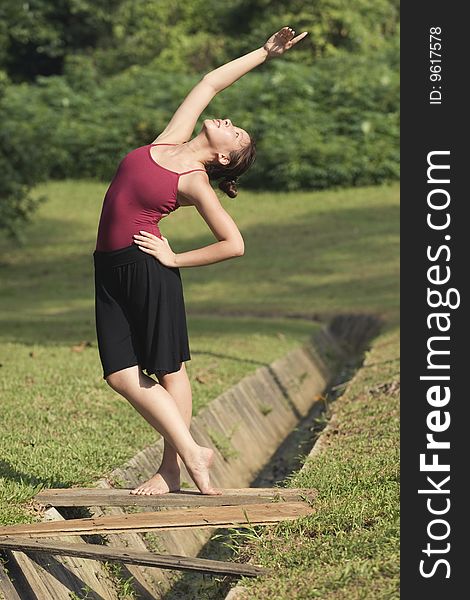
{"x":261,"y":428}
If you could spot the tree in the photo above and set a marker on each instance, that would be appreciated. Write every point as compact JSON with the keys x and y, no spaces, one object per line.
{"x":37,"y":35}
{"x":21,"y":171}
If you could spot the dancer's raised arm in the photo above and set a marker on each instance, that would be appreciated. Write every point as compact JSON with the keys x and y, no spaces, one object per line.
{"x":182,"y":124}
{"x":276,"y":45}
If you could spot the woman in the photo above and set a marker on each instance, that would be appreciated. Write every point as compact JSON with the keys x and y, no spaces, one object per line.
{"x":139,"y":304}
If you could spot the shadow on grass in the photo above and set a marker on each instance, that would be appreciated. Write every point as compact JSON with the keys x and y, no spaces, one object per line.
{"x":11,"y":474}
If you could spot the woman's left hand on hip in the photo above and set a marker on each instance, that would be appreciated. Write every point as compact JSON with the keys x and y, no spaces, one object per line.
{"x":159,"y":248}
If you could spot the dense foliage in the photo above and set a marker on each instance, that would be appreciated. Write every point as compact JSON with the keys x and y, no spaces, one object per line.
{"x":21,"y":167}
{"x":84,"y":82}
{"x":40,"y":37}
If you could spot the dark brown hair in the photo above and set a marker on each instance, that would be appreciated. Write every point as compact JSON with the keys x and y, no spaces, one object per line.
{"x":240,"y":161}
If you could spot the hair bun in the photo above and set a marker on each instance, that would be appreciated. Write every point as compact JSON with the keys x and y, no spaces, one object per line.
{"x":229,"y":186}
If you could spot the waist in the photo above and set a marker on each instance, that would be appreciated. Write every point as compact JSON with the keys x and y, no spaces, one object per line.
{"x":116,"y":236}
{"x":121,"y":256}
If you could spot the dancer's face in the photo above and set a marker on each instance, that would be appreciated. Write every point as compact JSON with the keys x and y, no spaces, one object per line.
{"x":224,"y":136}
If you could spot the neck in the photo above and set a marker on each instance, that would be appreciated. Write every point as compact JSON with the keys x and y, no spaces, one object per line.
{"x":199,"y":150}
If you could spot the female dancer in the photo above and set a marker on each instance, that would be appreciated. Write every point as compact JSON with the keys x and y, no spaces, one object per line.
{"x":139,"y":304}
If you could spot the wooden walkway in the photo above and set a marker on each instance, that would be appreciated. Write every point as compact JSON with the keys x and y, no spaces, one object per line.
{"x":177,"y":510}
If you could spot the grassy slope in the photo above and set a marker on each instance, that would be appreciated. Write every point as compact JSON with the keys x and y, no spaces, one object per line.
{"x":314,"y":253}
{"x":349,"y":549}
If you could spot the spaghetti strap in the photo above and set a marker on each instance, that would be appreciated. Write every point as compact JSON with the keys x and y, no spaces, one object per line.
{"x":179,"y":174}
{"x":192,"y":170}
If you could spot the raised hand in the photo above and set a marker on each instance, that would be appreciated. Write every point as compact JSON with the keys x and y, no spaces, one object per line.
{"x":281,"y":41}
{"x":158,"y":248}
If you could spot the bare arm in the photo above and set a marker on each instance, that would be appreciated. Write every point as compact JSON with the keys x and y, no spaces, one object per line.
{"x":183,"y":122}
{"x":276,"y":45}
{"x":227,"y":74}
{"x":230,"y":241}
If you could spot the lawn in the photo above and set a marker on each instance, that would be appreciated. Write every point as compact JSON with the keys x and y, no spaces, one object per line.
{"x":349,"y":548}
{"x":307,"y":256}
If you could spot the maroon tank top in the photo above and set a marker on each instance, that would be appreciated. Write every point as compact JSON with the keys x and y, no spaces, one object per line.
{"x":140,"y":194}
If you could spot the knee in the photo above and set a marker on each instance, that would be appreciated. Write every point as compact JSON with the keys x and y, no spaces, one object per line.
{"x":118,"y":381}
{"x":128,"y":381}
{"x":174,"y":375}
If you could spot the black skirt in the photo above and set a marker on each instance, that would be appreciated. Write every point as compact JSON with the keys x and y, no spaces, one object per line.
{"x":140,"y":312}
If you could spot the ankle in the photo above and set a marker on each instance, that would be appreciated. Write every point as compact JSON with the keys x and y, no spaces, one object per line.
{"x":170,"y":466}
{"x":191,"y":453}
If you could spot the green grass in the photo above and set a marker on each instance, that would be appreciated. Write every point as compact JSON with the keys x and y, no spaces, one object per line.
{"x":349,"y":548}
{"x":313,"y":254}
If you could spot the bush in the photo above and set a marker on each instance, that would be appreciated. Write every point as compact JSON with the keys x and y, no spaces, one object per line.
{"x":332,"y":124}
{"x":188,"y":36}
{"x":21,"y":164}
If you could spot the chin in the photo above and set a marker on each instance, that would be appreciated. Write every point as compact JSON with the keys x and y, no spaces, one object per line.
{"x":211,"y":130}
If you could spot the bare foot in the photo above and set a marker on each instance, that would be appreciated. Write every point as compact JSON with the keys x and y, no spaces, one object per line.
{"x":161,"y":483}
{"x":198,"y":467}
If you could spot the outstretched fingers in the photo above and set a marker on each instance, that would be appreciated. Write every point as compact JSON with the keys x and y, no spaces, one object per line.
{"x":288,"y":39}
{"x":298,"y":38}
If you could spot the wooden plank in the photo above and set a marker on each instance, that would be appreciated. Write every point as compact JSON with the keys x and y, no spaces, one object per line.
{"x":146,"y":583}
{"x":149,"y":559}
{"x":184,"y":498}
{"x":215,"y":516}
{"x":7,"y":589}
{"x":45,"y":577}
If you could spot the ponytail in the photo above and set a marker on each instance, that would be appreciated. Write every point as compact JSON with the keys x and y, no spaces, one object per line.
{"x":229,"y":186}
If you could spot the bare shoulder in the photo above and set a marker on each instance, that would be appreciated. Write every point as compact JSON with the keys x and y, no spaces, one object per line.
{"x":197,"y":191}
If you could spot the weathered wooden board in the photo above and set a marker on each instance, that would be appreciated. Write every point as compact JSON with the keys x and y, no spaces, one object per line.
{"x":145,"y":580}
{"x":41,"y":576}
{"x":7,"y":589}
{"x":149,"y":559}
{"x":184,"y":498}
{"x":214,"y":516}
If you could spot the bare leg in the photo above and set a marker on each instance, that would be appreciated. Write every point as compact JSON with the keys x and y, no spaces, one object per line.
{"x":167,"y":477}
{"x":159,"y":409}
